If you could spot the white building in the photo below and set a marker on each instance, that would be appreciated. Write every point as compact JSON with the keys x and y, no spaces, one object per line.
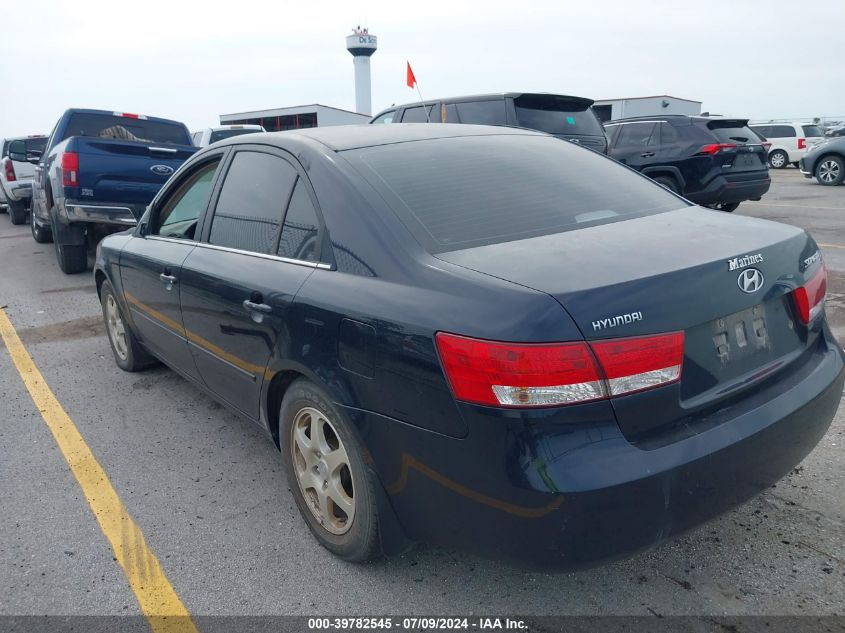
{"x":610,"y":109}
{"x":314,"y":115}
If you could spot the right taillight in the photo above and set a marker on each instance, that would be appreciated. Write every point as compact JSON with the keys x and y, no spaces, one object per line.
{"x":714,"y":148}
{"x":809,"y":298}
{"x":501,"y":374}
{"x":9,"y":168}
{"x":70,"y":169}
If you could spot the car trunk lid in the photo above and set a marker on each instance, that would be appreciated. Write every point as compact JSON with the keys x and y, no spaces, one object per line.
{"x":737,"y":148}
{"x":691,"y":270}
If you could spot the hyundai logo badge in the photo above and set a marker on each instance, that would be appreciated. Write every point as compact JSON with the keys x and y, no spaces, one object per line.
{"x":161,"y":170}
{"x":750,"y":280}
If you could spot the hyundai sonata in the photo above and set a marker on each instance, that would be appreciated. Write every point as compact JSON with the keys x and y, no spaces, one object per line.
{"x":480,"y":337}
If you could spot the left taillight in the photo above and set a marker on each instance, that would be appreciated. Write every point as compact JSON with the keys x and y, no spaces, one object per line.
{"x":70,"y":169}
{"x":9,"y":169}
{"x":502,"y":374}
{"x":809,"y":298}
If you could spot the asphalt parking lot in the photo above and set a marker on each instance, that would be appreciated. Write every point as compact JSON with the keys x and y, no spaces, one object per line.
{"x":208,"y":493}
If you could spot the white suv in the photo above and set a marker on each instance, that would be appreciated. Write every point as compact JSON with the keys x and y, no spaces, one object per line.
{"x":16,"y":176}
{"x":790,"y":141}
{"x":204,"y":138}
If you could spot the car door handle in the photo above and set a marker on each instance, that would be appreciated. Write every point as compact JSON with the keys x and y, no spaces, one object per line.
{"x":167,"y":279}
{"x":647,"y":154}
{"x":251,"y":306}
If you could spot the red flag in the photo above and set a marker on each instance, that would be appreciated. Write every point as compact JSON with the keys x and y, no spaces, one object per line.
{"x":411,"y":80}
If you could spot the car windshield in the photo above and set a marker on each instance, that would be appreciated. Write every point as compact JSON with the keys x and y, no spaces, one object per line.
{"x":127,"y":129}
{"x":219,"y":135}
{"x":455,"y":193}
{"x":556,"y":116}
{"x":812,"y":130}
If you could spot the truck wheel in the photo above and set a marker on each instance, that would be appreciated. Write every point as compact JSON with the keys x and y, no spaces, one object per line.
{"x":17,"y":211}
{"x":39,"y":233}
{"x":73,"y":258}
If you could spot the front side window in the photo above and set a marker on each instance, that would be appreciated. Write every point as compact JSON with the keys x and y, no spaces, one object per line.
{"x":300,"y":232}
{"x":387,"y":117}
{"x":783,"y":131}
{"x":253,"y":197}
{"x":637,"y":134}
{"x":179,"y":215}
{"x":417,"y":114}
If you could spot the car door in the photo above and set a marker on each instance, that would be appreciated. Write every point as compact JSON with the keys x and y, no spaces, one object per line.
{"x":151,"y":263}
{"x":636,"y":144}
{"x":239,"y":283}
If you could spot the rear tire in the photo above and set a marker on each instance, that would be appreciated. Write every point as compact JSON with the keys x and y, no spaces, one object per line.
{"x":39,"y":233}
{"x":128,"y":353}
{"x":830,"y":171}
{"x":668,"y":182}
{"x":17,"y":212}
{"x":778,"y":159}
{"x":316,"y":437}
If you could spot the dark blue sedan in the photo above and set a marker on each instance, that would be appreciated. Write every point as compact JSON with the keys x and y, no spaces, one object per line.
{"x":480,"y":337}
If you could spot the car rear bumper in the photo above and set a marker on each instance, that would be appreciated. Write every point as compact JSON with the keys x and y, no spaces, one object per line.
{"x":723,"y":189}
{"x":119,"y":214}
{"x":18,"y":190}
{"x":554,"y":492}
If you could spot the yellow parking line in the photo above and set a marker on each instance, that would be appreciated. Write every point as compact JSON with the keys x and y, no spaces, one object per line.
{"x":831,"y":245}
{"x":156,"y":596}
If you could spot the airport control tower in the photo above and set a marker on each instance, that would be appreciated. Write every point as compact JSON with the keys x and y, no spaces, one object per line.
{"x":362,"y":45}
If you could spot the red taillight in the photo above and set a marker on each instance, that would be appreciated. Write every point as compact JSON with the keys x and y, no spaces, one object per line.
{"x":802,"y":143}
{"x":70,"y":169}
{"x":766,"y":147}
{"x":550,"y":374}
{"x":9,"y":168}
{"x":715,"y":148}
{"x":809,"y":298}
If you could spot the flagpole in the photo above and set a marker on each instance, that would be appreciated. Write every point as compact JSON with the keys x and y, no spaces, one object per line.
{"x":417,"y":86}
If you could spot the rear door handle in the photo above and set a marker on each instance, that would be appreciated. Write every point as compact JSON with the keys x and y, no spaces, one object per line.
{"x":251,"y":306}
{"x":647,"y":154}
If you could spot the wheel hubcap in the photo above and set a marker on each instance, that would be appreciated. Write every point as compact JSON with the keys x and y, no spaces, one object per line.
{"x":322,"y":470}
{"x":778,"y":160}
{"x":117,"y":333}
{"x":829,"y":171}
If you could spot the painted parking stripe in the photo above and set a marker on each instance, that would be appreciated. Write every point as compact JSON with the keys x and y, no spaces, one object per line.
{"x":156,"y":596}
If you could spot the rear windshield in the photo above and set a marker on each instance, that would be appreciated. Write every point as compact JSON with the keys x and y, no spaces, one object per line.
{"x":455,"y":193}
{"x":732,"y":132}
{"x":555,"y":116}
{"x":123,"y":128}
{"x":219,"y":135}
{"x":812,"y":130}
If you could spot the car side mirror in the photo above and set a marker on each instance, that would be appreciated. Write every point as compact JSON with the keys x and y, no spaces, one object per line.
{"x":17,"y":151}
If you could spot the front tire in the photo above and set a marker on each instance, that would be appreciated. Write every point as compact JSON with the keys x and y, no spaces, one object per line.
{"x":17,"y":212}
{"x":330,"y":482}
{"x":778,"y":159}
{"x":830,"y":171}
{"x":128,"y":353}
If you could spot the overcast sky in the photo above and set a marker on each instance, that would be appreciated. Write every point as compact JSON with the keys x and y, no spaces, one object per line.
{"x":193,"y":61}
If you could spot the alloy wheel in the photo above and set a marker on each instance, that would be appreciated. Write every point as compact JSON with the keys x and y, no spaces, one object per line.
{"x":117,"y":331}
{"x":829,"y":171}
{"x":322,"y":470}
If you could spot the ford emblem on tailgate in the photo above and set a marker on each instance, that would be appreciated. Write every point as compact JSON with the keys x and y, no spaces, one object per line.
{"x":161,"y":170}
{"x":750,"y":280}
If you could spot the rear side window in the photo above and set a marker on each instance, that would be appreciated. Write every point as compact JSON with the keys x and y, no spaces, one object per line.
{"x":417,"y":114}
{"x":556,"y":116}
{"x":732,"y":132}
{"x":668,"y":135}
{"x":482,"y":112}
{"x":456,"y":193}
{"x":253,"y":197}
{"x":301,"y":229}
{"x":812,"y":130}
{"x":127,"y":129}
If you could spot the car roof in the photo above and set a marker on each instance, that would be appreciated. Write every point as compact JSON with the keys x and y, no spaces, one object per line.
{"x":487,"y":97}
{"x":344,"y":137}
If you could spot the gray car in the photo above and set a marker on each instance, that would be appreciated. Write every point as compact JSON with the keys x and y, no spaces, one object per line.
{"x":825,"y":162}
